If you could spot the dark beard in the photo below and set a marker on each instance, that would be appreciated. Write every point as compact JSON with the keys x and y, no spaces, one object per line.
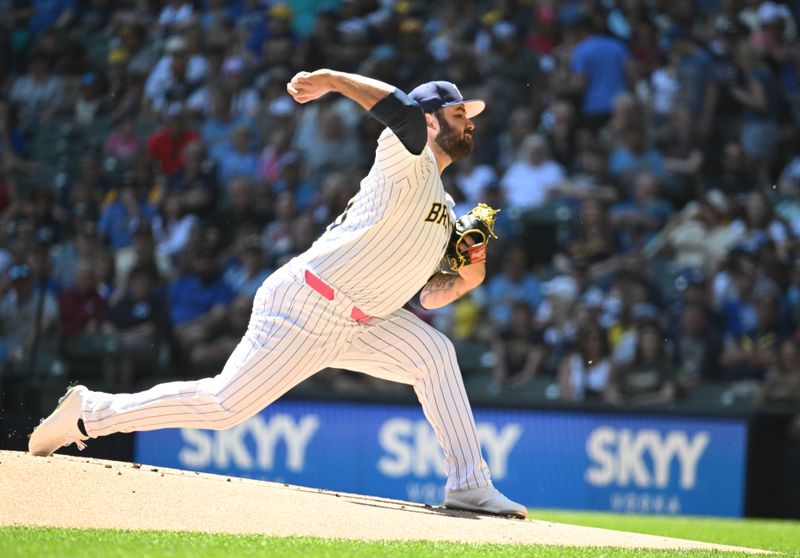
{"x":453,"y":143}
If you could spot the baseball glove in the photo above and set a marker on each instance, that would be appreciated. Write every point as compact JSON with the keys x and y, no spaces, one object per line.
{"x":478,"y":225}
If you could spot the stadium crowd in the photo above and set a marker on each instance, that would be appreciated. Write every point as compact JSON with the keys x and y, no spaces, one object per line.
{"x":153,"y":171}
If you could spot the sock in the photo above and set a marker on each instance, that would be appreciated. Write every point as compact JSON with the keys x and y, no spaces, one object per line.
{"x":81,"y":427}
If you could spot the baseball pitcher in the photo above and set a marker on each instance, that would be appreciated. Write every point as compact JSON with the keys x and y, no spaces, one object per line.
{"x":340,"y":304}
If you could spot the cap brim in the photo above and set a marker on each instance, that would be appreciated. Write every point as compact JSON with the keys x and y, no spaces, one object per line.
{"x":473,"y":107}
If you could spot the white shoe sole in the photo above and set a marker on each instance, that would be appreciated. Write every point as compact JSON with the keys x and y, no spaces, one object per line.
{"x":53,"y":433}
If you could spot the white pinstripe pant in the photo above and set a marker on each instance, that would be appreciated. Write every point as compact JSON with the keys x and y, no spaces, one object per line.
{"x":294,"y":332}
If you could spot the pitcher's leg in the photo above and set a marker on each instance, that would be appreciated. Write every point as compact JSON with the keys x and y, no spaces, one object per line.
{"x":291,"y":336}
{"x":252,"y":379}
{"x":405,"y":349}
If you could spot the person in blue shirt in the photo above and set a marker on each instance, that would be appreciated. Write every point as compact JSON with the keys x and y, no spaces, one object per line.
{"x":51,"y":13}
{"x":198,"y":300}
{"x":639,"y":219}
{"x":513,"y":284}
{"x":118,"y":218}
{"x":246,"y":274}
{"x":236,"y":156}
{"x":600,"y":66}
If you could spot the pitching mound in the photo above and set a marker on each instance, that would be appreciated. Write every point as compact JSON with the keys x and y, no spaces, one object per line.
{"x":62,"y":491}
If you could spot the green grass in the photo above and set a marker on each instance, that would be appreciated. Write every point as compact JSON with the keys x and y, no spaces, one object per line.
{"x":780,"y":536}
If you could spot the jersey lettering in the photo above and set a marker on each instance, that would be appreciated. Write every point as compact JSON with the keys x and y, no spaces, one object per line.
{"x":436,"y":209}
{"x":439,"y":214}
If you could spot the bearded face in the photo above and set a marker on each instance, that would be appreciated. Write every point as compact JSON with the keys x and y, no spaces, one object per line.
{"x":455,"y":143}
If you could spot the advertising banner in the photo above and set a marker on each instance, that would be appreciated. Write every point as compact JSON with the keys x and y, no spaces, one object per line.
{"x":551,"y":459}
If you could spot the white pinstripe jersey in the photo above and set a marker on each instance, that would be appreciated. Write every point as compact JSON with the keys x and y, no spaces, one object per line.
{"x":393,"y":234}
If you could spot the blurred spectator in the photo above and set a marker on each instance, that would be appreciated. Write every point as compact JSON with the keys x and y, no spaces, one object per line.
{"x":733,"y":176}
{"x":664,"y":89}
{"x":760,"y":223}
{"x":128,"y":95}
{"x":302,"y":234}
{"x":129,"y":208}
{"x":718,"y":125}
{"x":175,"y":76}
{"x":220,"y":123}
{"x":514,"y":283}
{"x":175,"y":13}
{"x":557,"y":319}
{"x":81,"y":311}
{"x":694,"y":65}
{"x":514,"y":69}
{"x":592,"y":240}
{"x":123,"y":143}
{"x":142,"y":252}
{"x":635,"y":155}
{"x":236,"y":156}
{"x":51,"y":15}
{"x":243,"y":210}
{"x":649,"y":379}
{"x":782,"y":383}
{"x":335,"y":147}
{"x":697,"y":348}
{"x":520,"y":125}
{"x":166,"y":145}
{"x":139,"y":323}
{"x":625,"y":114}
{"x":584,"y":373}
{"x":175,"y":224}
{"x":682,"y":154}
{"x":528,"y":181}
{"x":276,"y":236}
{"x":471,"y":179}
{"x":750,"y":351}
{"x":244,"y":100}
{"x":698,"y":237}
{"x":758,"y":95}
{"x":601,"y":68}
{"x":249,"y":270}
{"x":518,"y":349}
{"x":636,"y":221}
{"x":561,"y":133}
{"x":39,"y":94}
{"x":196,"y":181}
{"x":210,"y":353}
{"x":12,"y":141}
{"x":28,"y":317}
{"x":80,"y":245}
{"x":91,"y":104}
{"x":626,"y":304}
{"x":198,"y":300}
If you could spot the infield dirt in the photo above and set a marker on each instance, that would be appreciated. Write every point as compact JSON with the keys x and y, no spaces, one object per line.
{"x":64,"y":491}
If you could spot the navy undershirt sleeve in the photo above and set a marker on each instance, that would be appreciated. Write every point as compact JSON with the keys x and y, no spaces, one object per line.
{"x":403,"y":116}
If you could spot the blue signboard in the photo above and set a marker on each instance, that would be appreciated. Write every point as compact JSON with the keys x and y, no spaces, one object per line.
{"x":626,"y":463}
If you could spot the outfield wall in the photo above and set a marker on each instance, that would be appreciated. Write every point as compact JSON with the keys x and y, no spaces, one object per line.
{"x":543,"y":458}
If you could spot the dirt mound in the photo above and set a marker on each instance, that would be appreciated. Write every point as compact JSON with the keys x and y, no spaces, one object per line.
{"x":64,"y":491}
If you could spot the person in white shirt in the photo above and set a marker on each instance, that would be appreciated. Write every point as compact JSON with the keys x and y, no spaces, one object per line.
{"x":528,"y":181}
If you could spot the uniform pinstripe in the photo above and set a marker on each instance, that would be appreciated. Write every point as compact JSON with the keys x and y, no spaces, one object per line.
{"x":295,"y":331}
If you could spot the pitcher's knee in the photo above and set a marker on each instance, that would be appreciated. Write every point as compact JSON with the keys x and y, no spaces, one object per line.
{"x":223,"y":418}
{"x":441,"y":358}
{"x":445,"y":348}
{"x":222,"y":413}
